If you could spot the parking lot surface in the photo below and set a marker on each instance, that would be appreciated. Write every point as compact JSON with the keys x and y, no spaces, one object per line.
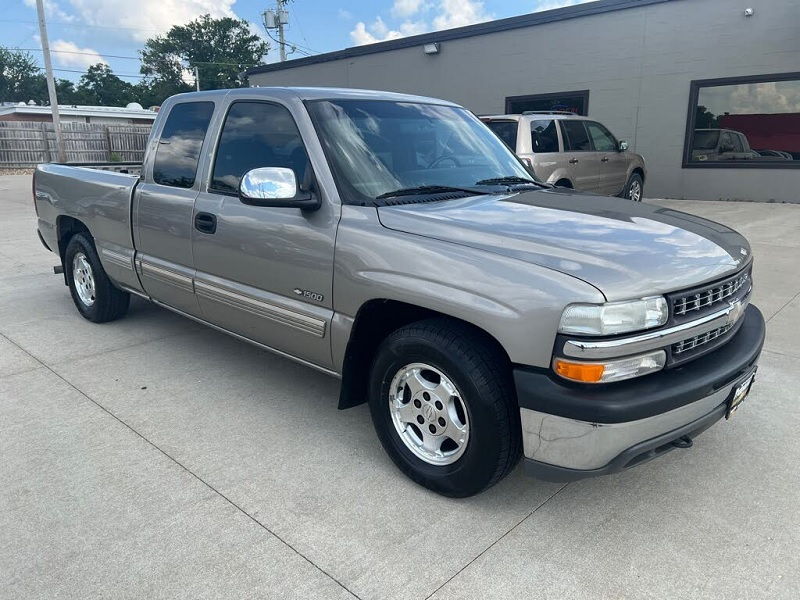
{"x":155,"y":458}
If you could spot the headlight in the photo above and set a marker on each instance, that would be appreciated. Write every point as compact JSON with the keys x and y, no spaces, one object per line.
{"x":610,"y":370}
{"x":614,"y":317}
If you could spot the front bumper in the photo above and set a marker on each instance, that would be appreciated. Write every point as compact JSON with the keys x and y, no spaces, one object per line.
{"x":573,"y":431}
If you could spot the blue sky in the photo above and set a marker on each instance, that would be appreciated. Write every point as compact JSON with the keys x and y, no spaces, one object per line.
{"x":85,"y":32}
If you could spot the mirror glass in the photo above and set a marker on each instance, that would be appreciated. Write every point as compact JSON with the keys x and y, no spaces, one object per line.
{"x":269,"y":183}
{"x":623,"y":145}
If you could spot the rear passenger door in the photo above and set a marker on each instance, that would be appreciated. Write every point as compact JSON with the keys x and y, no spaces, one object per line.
{"x":613,"y":164}
{"x":163,"y":206}
{"x":265,"y":273}
{"x":582,"y":161}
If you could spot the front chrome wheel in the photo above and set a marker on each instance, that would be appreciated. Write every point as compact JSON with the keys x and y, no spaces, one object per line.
{"x":84,"y":279}
{"x":635,"y":191}
{"x":429,"y":414}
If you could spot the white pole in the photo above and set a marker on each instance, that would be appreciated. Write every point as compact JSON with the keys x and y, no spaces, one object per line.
{"x":51,"y":84}
{"x":281,"y":40}
{"x":197,"y":79}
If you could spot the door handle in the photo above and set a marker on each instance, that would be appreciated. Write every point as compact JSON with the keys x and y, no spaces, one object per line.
{"x":604,"y":159}
{"x":572,"y":161}
{"x":205,"y":222}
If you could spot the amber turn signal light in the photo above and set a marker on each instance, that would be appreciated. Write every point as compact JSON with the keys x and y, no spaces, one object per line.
{"x":588,"y":373}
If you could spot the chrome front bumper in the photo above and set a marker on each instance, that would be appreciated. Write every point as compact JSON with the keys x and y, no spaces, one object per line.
{"x":572,"y":432}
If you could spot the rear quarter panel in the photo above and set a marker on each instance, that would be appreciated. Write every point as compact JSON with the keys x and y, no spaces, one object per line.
{"x":98,"y":199}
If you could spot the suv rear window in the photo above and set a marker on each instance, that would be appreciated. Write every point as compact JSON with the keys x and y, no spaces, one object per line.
{"x":576,"y":138}
{"x":544,"y":137}
{"x":506,"y":131}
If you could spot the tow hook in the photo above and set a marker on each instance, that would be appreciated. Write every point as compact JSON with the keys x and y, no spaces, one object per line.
{"x":683,"y":442}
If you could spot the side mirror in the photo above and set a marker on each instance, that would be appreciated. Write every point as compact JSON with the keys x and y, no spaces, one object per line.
{"x":623,"y":145}
{"x":275,"y":187}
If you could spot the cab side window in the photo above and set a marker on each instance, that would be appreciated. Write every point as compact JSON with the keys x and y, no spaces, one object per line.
{"x":181,"y":141}
{"x":575,"y":137}
{"x":257,"y":134}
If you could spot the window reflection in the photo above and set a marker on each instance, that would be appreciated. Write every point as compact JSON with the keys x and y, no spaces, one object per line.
{"x":753,"y":122}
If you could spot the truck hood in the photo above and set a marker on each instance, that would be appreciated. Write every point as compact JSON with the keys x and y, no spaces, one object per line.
{"x":625,"y":249}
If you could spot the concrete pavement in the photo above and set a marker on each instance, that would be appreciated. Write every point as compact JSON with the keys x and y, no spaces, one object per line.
{"x":153,"y":457}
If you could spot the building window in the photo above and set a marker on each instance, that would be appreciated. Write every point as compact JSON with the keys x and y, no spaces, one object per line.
{"x":744,"y":122}
{"x":574,"y":102}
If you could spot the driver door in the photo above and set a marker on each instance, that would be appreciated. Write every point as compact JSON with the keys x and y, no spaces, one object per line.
{"x":264,"y":273}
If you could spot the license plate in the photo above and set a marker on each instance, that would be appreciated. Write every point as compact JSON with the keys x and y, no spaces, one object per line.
{"x":739,"y":393}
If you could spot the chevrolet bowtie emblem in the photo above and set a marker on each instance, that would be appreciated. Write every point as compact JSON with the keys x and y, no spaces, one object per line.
{"x":735,"y":312}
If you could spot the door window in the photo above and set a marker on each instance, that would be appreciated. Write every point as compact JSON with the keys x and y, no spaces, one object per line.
{"x":601,"y":138}
{"x":544,"y":137}
{"x":575,"y":137}
{"x":257,"y":134}
{"x":180,"y":144}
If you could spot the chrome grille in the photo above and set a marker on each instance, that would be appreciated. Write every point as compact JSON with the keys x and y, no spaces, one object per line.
{"x":709,"y":296}
{"x":699,"y":340}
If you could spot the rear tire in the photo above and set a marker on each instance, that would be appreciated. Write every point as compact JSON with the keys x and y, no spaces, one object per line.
{"x":444,"y":408}
{"x":94,"y":295}
{"x":634,"y":189}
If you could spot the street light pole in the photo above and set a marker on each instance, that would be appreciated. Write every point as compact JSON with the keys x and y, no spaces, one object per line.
{"x":196,"y":79}
{"x":51,"y":84}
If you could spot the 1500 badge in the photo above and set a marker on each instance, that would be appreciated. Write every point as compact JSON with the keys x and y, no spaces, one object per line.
{"x":310,"y":295}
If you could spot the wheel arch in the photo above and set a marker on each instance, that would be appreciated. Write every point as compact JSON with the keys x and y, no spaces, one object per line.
{"x":374,"y":321}
{"x":66,"y":228}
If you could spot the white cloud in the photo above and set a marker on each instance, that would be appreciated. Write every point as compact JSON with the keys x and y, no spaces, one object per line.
{"x":69,"y":54}
{"x":449,"y":14}
{"x":551,"y":4}
{"x":345,"y":15}
{"x":52,"y":10}
{"x":405,"y":8}
{"x":458,"y":13}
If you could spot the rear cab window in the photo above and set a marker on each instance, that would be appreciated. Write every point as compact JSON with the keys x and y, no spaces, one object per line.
{"x":576,"y":139}
{"x":180,"y":143}
{"x":506,"y":131}
{"x":544,"y":137}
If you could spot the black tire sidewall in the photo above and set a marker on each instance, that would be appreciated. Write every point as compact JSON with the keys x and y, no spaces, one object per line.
{"x":476,"y":467}
{"x":80,"y":243}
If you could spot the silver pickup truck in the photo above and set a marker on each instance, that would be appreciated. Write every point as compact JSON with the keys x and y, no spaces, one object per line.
{"x":395,"y":242}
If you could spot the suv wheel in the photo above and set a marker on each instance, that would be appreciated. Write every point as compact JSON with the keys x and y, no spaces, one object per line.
{"x":444,"y":408}
{"x":94,"y":295}
{"x":634,"y":189}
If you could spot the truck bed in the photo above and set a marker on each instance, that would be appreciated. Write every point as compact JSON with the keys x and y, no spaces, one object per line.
{"x":100,"y":199}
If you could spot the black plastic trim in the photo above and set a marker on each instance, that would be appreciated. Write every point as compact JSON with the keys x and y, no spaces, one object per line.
{"x":637,"y":454}
{"x":646,"y":396}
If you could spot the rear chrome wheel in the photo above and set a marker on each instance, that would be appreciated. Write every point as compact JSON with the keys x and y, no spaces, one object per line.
{"x":84,"y":279}
{"x":634,"y":189}
{"x":429,"y":414}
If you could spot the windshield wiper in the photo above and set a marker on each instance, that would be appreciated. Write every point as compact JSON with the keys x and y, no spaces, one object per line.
{"x":509,"y":180}
{"x":430,"y":189}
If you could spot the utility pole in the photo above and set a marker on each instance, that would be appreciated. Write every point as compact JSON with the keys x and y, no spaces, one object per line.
{"x":280,"y":20}
{"x":276,"y":19}
{"x":51,"y":84}
{"x":197,"y":79}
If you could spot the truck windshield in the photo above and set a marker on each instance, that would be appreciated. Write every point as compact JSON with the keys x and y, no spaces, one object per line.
{"x":377,"y":147}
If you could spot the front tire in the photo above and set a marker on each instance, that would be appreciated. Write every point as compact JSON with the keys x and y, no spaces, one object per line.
{"x":444,"y":407}
{"x":634,"y":189}
{"x":94,"y":295}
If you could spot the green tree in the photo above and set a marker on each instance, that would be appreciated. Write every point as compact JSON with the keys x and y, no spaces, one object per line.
{"x":22,"y":80}
{"x":220,"y":49}
{"x":100,"y":87}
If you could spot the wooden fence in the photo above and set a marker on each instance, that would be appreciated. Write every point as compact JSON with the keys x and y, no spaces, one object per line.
{"x":26,"y":143}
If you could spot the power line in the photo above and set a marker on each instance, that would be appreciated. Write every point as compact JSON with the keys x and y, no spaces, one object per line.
{"x":104,"y":55}
{"x":81,"y":25}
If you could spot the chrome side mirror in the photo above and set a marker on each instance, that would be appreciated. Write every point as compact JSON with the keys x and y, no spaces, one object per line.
{"x":276,"y":187}
{"x":623,"y":145}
